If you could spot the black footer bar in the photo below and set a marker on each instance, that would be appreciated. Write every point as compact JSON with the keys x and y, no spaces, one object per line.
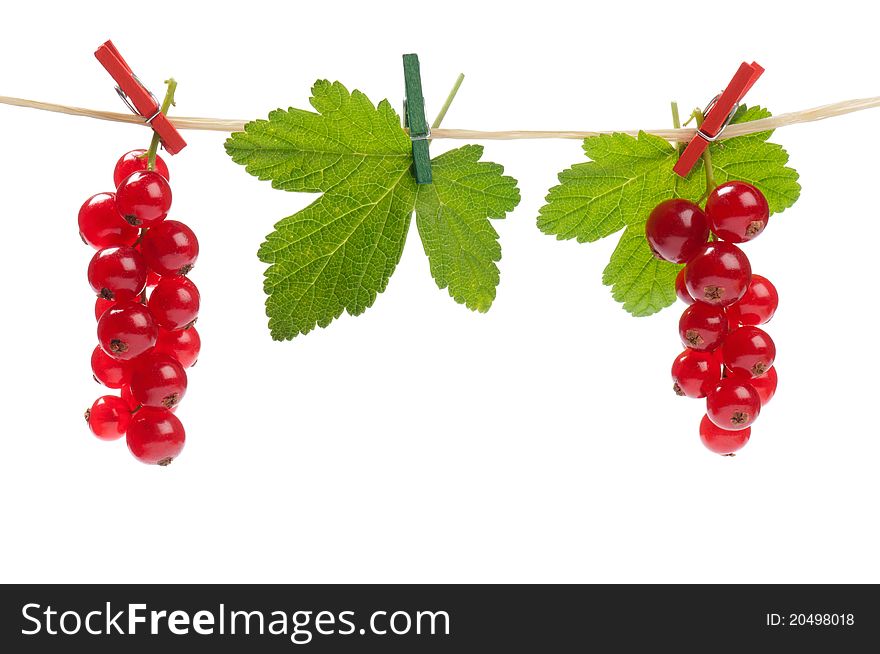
{"x":436,"y":618}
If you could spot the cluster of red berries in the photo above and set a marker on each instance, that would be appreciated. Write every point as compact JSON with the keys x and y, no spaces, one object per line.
{"x":728,"y":359}
{"x":145,"y":309}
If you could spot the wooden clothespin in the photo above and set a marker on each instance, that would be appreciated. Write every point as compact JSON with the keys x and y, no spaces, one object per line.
{"x":414,"y":118}
{"x":718,"y":114}
{"x":138,"y":98}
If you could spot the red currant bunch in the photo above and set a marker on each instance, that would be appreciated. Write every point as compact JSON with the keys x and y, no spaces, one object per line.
{"x":146,"y":308}
{"x":728,"y":359}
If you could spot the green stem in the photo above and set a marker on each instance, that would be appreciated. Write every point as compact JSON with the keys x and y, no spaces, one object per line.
{"x":676,"y":122}
{"x":711,"y":184}
{"x":449,"y":99}
{"x":167,"y":103}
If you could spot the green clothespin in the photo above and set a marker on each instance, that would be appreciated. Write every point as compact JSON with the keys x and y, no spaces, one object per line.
{"x":414,"y":118}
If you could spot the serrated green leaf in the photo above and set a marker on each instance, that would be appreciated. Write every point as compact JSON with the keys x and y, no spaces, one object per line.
{"x":451,"y":216}
{"x":628,"y":176}
{"x":339,"y":252}
{"x":347,"y":142}
{"x":625,"y":178}
{"x":643,"y":283}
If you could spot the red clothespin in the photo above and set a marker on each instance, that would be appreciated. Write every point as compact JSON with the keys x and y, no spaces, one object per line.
{"x":718,"y":115}
{"x":137,"y":98}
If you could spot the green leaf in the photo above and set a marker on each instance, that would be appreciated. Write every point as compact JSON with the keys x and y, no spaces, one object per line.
{"x":451,"y":215}
{"x":339,"y":252}
{"x":625,"y":179}
{"x":642,"y":282}
{"x":628,"y":176}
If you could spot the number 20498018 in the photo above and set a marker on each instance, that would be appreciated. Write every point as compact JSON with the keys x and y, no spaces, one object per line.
{"x":810,"y":620}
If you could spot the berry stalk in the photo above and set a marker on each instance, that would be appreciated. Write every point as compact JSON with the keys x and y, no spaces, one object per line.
{"x":167,"y":103}
{"x":711,"y":184}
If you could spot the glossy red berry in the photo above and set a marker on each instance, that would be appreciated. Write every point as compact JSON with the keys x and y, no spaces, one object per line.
{"x":749,"y":350}
{"x":155,"y":436}
{"x":676,"y":230}
{"x":183,"y":344}
{"x":723,"y":441}
{"x":144,"y":198}
{"x":170,"y":248}
{"x":758,"y":304}
{"x":102,"y":226}
{"x":733,"y":404}
{"x":127,"y":330}
{"x":158,"y":379}
{"x":719,"y":274}
{"x":131,"y":401}
{"x":118,"y":273}
{"x":109,"y":417}
{"x":134,"y":161}
{"x":111,"y":372}
{"x":101,"y":305}
{"x":681,"y":290}
{"x":695,"y":374}
{"x":174,"y":302}
{"x":765,"y":384}
{"x":737,"y":212}
{"x":702,"y":326}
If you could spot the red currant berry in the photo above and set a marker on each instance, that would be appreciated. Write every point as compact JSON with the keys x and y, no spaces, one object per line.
{"x":749,"y":350}
{"x":118,"y":273}
{"x":101,"y":225}
{"x":695,"y":374}
{"x":676,"y":230}
{"x":702,"y":326}
{"x":758,"y":304}
{"x":144,"y":198}
{"x":765,"y":384}
{"x":723,"y":441}
{"x":733,"y":404}
{"x":155,"y":436}
{"x":681,"y":290}
{"x":109,"y":417}
{"x":170,"y":248}
{"x":127,"y":330}
{"x":111,"y":372}
{"x":134,"y":161}
{"x":101,"y":305}
{"x":174,"y":302}
{"x":183,"y":344}
{"x":719,"y":274}
{"x":131,"y":401}
{"x":158,"y":379}
{"x":737,"y":212}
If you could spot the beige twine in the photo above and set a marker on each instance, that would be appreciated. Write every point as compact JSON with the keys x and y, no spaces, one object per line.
{"x":680,"y":135}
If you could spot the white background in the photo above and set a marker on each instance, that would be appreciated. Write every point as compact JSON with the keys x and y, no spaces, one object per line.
{"x":421,"y":442}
